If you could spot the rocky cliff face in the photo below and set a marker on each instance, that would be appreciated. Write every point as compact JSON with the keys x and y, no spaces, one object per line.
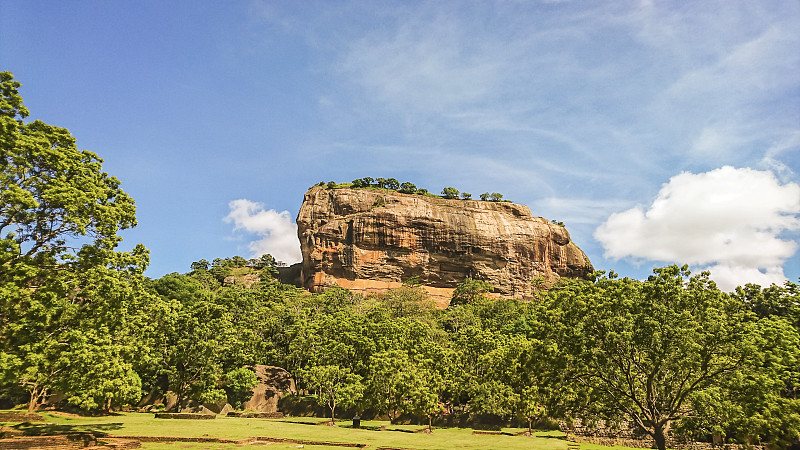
{"x":372,"y":240}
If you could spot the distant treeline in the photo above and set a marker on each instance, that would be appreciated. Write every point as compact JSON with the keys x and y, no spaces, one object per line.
{"x":409,"y":188}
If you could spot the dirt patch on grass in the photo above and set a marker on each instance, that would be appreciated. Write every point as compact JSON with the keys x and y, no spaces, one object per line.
{"x":20,"y":417}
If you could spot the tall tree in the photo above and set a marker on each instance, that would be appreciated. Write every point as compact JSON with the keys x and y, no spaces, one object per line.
{"x":64,"y":289}
{"x":641,"y":350}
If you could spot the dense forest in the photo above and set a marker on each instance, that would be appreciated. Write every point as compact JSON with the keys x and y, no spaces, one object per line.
{"x":78,"y":317}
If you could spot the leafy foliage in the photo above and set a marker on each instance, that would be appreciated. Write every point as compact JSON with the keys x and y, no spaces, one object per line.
{"x":450,"y":192}
{"x":335,"y":385}
{"x":470,"y":291}
{"x":66,"y":294}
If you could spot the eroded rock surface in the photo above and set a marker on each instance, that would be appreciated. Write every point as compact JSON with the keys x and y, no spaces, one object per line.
{"x":371,"y":240}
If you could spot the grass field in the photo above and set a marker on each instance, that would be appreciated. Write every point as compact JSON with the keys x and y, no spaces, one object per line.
{"x":299,"y":428}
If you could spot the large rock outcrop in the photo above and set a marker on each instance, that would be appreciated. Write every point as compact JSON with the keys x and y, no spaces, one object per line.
{"x":371,"y":240}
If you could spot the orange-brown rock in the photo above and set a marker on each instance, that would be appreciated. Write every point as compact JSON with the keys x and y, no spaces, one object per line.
{"x":371,"y":240}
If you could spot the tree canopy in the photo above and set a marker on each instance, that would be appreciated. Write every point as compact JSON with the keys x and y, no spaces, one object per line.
{"x":64,"y":289}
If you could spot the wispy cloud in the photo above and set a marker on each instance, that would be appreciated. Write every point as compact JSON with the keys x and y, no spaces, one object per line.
{"x":622,"y":79}
{"x":729,"y":219}
{"x":276,"y":231}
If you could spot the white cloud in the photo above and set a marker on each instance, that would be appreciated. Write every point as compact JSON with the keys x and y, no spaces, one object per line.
{"x":276,"y":230}
{"x":729,"y":276}
{"x":729,"y":220}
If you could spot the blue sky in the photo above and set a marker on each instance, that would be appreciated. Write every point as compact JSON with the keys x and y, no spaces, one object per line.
{"x":659,"y":132}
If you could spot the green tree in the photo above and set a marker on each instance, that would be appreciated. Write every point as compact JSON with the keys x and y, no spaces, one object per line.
{"x":778,"y":301}
{"x":423,"y":396}
{"x":334,"y":386}
{"x":397,"y":383}
{"x":642,"y":350}
{"x":408,"y":300}
{"x":239,"y":261}
{"x":469,"y":291}
{"x":52,"y":193}
{"x":368,"y":181}
{"x":485,"y":196}
{"x":64,"y":289}
{"x":358,"y":183}
{"x":496,"y":196}
{"x":392,"y":184}
{"x":513,"y":379}
{"x":466,"y":196}
{"x":758,"y":402}
{"x":385,"y":383}
{"x":200,"y":265}
{"x":194,"y":335}
{"x":450,"y":192}
{"x":239,"y":384}
{"x":408,"y":188}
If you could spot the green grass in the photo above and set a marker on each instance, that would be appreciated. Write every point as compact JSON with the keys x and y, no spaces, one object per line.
{"x":300,"y":428}
{"x":212,"y":446}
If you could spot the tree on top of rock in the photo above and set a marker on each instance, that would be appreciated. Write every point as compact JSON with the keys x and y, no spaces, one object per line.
{"x":450,"y":192}
{"x":408,"y":188}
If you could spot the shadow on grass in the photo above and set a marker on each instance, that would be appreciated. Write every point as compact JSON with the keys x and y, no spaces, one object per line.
{"x":35,"y":429}
{"x":338,"y":425}
{"x":363,"y":427}
{"x":349,"y":426}
{"x":542,"y":435}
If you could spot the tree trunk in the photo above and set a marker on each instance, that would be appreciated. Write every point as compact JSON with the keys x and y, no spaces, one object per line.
{"x":32,"y":403}
{"x":38,"y":394}
{"x":530,"y":427}
{"x":430,"y":425}
{"x":658,"y":436}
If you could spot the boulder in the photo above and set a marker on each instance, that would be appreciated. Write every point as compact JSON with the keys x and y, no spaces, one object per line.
{"x":370,"y":240}
{"x":273,"y":384}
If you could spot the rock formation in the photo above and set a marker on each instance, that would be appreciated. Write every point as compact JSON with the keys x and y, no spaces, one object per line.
{"x":371,"y":240}
{"x":273,"y":384}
